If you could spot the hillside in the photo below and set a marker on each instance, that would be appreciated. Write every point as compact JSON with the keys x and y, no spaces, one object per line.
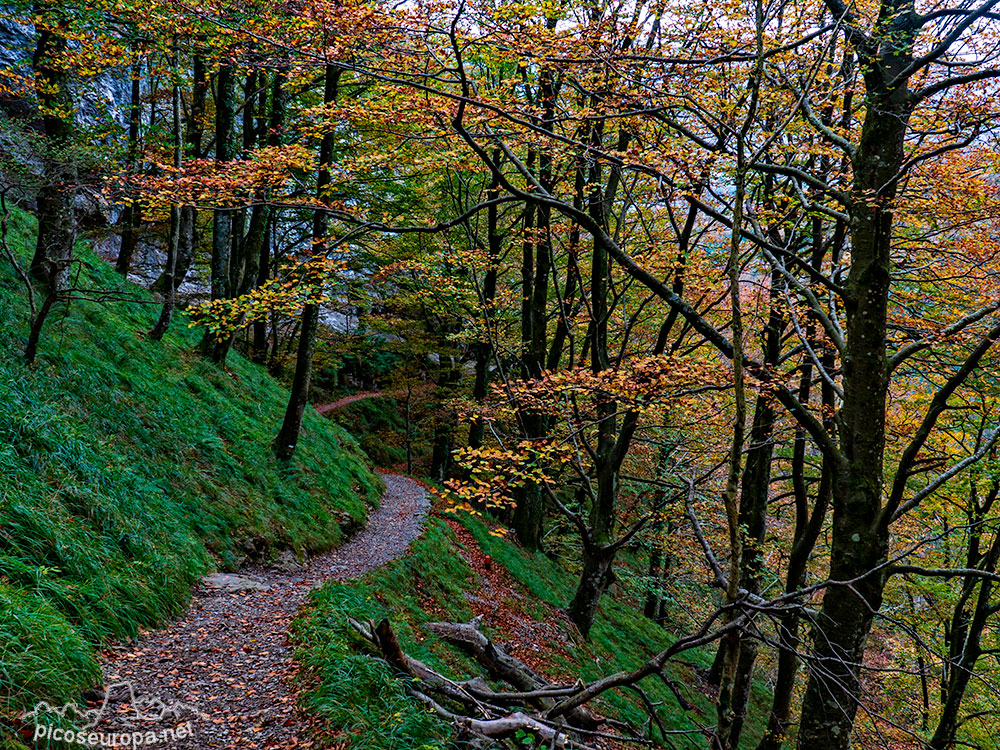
{"x":131,"y":468}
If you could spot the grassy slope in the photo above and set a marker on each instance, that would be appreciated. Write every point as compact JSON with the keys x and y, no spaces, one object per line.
{"x":129,"y":468}
{"x":361,"y":700}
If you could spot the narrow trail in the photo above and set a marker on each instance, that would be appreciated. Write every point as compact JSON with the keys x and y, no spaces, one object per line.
{"x":342,"y":402}
{"x":228,"y":656}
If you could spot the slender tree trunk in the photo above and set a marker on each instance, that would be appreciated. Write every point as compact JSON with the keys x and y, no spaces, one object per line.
{"x":131,"y":217}
{"x":599,"y":549}
{"x":754,"y":487}
{"x":445,"y":424}
{"x":241,"y":236}
{"x":528,"y":506}
{"x":222,"y":221}
{"x":291,"y":426}
{"x":260,"y":344}
{"x":222,"y":218}
{"x":275,"y":136}
{"x":652,"y":604}
{"x":35,"y":331}
{"x":173,"y":243}
{"x":56,"y":216}
{"x":484,"y":349}
{"x":409,"y":428}
{"x":967,"y":629}
{"x":194,"y":133}
{"x":53,"y":255}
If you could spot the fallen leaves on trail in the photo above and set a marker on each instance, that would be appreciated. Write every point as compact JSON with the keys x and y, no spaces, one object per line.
{"x":229,"y":655}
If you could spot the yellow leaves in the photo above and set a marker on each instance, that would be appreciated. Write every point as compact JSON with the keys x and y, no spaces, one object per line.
{"x":315,"y":282}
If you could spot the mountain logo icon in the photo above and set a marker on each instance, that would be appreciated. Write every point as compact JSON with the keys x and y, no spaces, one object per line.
{"x":144,"y":708}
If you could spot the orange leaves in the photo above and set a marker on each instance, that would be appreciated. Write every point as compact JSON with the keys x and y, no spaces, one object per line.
{"x":208,"y":183}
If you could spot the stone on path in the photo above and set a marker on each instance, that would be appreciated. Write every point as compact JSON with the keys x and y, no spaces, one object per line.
{"x":232,"y":582}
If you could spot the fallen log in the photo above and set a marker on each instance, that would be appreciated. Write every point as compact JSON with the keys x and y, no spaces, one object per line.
{"x":501,"y":665}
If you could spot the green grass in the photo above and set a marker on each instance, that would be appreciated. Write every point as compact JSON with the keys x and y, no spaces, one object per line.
{"x":351,"y":687}
{"x":128,"y":469}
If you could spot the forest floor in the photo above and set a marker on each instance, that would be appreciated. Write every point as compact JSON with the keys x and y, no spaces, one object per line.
{"x":226,"y":665}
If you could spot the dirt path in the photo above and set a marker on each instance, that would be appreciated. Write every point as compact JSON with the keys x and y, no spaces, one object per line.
{"x":342,"y":402}
{"x":229,"y":656}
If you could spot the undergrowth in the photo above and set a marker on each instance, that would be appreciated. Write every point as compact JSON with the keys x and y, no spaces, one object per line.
{"x":365,"y":704}
{"x":129,"y":468}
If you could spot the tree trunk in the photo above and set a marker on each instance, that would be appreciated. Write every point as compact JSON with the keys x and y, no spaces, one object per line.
{"x":132,"y":214}
{"x":56,"y":215}
{"x":754,"y":487}
{"x":858,"y":544}
{"x":484,"y":349}
{"x":445,"y":423}
{"x":275,"y":131}
{"x":173,"y":243}
{"x":529,"y":512}
{"x":222,"y":218}
{"x":595,"y":578}
{"x":291,"y":426}
{"x":194,"y":132}
{"x":53,"y":255}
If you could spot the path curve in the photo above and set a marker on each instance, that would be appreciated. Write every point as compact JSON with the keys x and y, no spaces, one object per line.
{"x":229,"y":656}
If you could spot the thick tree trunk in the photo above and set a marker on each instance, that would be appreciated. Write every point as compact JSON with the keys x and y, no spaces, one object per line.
{"x":858,"y":544}
{"x":595,"y":578}
{"x":529,"y":514}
